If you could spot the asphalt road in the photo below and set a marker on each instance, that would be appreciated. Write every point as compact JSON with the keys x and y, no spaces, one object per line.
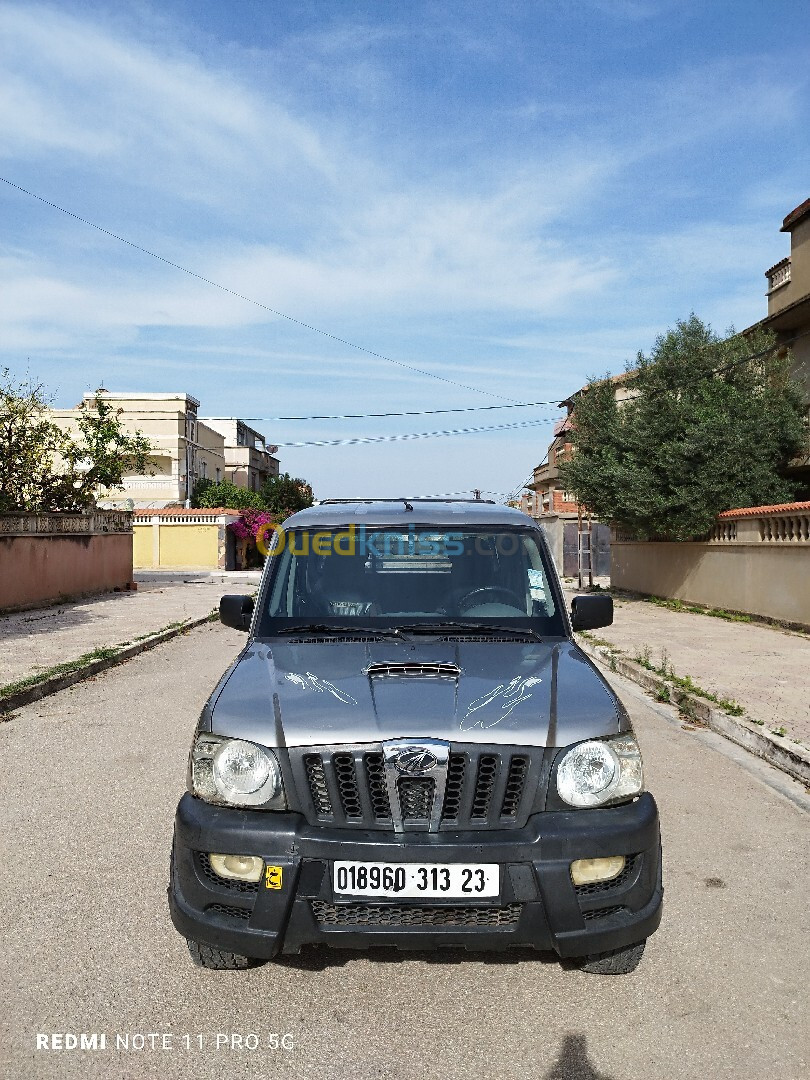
{"x":89,"y":780}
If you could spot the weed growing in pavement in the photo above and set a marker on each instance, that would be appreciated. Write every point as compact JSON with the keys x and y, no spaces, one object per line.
{"x":779,"y":731}
{"x":695,"y":609}
{"x":683,"y":682}
{"x":64,"y":668}
{"x":594,"y":640}
{"x":662,"y":693}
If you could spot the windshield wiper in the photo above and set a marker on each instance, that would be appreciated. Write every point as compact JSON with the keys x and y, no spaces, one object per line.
{"x":331,"y":628}
{"x":476,"y":628}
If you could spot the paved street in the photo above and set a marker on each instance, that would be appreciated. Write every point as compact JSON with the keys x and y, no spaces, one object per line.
{"x":90,"y":780}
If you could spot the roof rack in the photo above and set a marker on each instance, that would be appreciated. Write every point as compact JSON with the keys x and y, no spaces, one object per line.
{"x":417,"y":499}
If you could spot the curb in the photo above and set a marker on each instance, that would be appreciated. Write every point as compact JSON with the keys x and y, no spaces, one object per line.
{"x":54,"y":683}
{"x":787,"y":756}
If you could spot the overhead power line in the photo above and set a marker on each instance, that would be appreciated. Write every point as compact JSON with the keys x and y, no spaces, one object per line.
{"x":414,"y":435}
{"x":249,"y":299}
{"x":378,"y":415}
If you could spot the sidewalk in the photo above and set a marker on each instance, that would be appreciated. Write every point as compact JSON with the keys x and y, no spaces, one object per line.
{"x":35,"y":641}
{"x":762,"y":668}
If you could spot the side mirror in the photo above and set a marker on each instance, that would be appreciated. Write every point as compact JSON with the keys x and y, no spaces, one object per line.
{"x":591,"y":611}
{"x":236,"y":611}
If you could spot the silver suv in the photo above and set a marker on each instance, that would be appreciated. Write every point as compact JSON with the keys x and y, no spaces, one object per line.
{"x":411,"y":750}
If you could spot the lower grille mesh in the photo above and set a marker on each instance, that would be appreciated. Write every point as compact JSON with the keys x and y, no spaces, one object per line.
{"x":400,"y":915}
{"x":229,"y":912}
{"x":601,"y":913}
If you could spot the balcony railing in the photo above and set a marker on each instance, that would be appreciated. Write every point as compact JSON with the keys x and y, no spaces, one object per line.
{"x":778,"y":275}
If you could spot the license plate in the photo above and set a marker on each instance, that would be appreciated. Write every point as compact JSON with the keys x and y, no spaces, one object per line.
{"x":454,"y":880}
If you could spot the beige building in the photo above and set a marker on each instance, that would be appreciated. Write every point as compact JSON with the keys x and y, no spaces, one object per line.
{"x":185,"y":449}
{"x":789,"y":306}
{"x":249,"y":461}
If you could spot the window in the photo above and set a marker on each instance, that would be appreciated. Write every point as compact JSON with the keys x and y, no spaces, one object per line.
{"x":218,"y":475}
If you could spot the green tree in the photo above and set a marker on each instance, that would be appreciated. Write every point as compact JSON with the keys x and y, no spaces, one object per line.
{"x":704,"y":429}
{"x":223,"y":493}
{"x":285,"y":494}
{"x":45,"y":468}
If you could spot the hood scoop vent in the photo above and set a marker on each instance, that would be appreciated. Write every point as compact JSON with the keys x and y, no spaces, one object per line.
{"x":413,"y":670}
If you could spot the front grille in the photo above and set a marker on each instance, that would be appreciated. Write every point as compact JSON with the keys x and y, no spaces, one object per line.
{"x":484,"y":785}
{"x":224,"y":883}
{"x":347,"y":782}
{"x":416,"y":798}
{"x":396,"y":915}
{"x":229,"y":912}
{"x":484,"y":788}
{"x":317,"y":784}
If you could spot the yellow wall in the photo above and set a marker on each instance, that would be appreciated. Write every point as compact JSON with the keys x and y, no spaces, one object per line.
{"x":142,"y":545}
{"x":180,"y":545}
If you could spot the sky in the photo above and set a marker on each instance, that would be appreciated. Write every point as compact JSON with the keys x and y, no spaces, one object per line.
{"x":512,"y":197}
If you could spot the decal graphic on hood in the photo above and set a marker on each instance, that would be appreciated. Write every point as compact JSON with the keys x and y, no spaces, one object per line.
{"x":308,"y":681}
{"x":508,"y":696}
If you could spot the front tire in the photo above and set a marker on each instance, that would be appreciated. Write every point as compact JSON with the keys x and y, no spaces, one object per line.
{"x":206,"y":956}
{"x":615,"y":962}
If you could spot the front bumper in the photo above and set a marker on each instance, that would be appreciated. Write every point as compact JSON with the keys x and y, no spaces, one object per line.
{"x":539,"y":905}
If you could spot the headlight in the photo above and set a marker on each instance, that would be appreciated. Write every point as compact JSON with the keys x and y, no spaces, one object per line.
{"x":601,"y":772}
{"x":236,"y":772}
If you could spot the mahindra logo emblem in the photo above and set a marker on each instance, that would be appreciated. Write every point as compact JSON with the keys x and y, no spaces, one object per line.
{"x":415,"y":760}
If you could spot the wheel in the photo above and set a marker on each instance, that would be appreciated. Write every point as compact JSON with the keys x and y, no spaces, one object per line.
{"x":617,"y":962}
{"x":206,"y":956}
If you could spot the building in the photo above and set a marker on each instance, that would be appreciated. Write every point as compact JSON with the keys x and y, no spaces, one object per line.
{"x":549,"y":494}
{"x":789,"y":307}
{"x":249,"y":461}
{"x":185,"y":449}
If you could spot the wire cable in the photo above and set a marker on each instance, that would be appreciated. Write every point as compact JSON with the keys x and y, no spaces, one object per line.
{"x":414,"y":435}
{"x":249,"y":299}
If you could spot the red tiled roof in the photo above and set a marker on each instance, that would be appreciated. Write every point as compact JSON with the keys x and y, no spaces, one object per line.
{"x":795,"y":216}
{"x":762,"y":511}
{"x":178,"y":511}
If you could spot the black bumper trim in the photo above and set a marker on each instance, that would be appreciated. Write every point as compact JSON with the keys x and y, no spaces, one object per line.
{"x":536,"y":875}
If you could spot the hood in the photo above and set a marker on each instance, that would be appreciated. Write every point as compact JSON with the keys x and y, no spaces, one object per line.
{"x":321,"y":692}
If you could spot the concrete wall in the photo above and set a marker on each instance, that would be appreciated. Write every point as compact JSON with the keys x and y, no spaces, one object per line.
{"x":49,"y":557}
{"x":767,"y":579}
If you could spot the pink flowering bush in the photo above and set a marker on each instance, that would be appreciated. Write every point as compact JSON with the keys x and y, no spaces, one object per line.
{"x":250,"y":521}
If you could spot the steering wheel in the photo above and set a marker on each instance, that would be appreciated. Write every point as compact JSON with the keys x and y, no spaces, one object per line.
{"x":472,"y":598}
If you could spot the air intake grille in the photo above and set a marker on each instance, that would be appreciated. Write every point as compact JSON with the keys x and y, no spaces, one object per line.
{"x":428,"y":671}
{"x":395,"y":915}
{"x":483,"y":788}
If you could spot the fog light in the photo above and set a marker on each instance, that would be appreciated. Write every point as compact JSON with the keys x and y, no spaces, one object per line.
{"x":238,"y":867}
{"x":589,"y":871}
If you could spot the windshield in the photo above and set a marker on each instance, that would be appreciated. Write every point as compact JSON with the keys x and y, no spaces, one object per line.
{"x":392,"y":577}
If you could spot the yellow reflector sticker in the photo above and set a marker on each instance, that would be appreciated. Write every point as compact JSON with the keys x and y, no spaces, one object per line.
{"x":272,"y":877}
